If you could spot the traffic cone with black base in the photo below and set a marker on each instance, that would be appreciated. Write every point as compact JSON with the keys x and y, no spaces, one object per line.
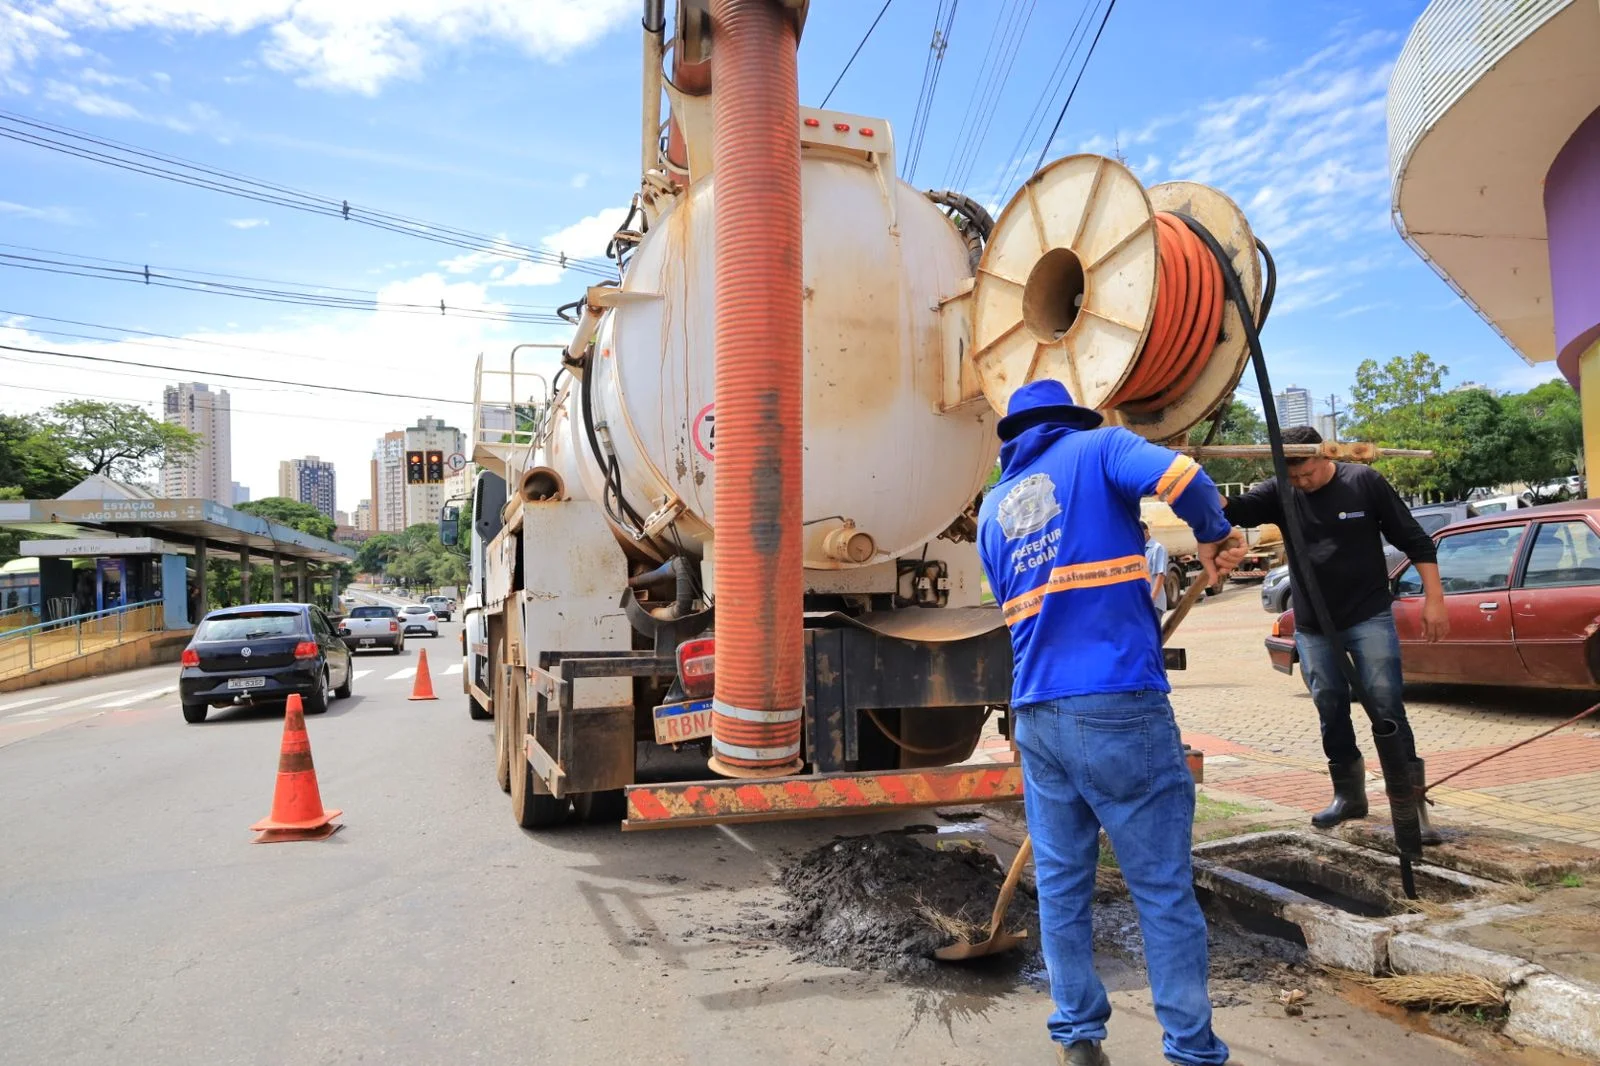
{"x":297,"y":812}
{"x":422,"y":688}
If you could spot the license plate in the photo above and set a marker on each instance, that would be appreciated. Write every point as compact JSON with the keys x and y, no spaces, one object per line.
{"x":247,"y":682}
{"x":369,"y":640}
{"x":678,"y":722}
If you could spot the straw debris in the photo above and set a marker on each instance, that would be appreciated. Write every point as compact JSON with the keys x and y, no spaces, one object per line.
{"x":1431,"y":991}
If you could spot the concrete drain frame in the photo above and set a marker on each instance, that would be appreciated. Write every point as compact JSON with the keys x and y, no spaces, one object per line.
{"x":1344,"y":901}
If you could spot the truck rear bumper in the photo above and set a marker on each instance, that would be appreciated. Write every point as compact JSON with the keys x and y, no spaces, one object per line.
{"x":725,"y":801}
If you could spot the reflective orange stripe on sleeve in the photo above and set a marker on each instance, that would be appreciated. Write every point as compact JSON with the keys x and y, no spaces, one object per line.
{"x":1077,"y":576}
{"x":1176,"y":479}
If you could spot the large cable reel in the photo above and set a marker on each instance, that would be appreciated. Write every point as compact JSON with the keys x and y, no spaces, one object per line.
{"x":1069,"y":288}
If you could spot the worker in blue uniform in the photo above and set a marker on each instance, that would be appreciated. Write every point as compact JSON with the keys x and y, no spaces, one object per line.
{"x":1064,"y":555}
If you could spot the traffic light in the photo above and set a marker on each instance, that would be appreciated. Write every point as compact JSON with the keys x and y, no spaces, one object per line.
{"x":435,"y":468}
{"x":414,"y":470}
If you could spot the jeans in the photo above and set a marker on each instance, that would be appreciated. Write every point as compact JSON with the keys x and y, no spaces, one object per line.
{"x":1114,"y":761}
{"x":1375,"y":648}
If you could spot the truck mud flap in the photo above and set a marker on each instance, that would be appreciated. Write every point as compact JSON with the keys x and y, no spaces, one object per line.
{"x":726,"y":801}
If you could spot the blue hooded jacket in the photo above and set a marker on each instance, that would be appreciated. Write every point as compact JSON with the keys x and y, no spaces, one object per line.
{"x":1061,"y":546}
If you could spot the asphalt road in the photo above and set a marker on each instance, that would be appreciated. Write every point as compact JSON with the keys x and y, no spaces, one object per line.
{"x":139,"y":924}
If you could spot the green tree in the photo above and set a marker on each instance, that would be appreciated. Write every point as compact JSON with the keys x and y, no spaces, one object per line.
{"x":1240,"y":425}
{"x":1397,"y":405}
{"x":119,"y":440}
{"x":1555,"y":421}
{"x":291,"y":513}
{"x":33,"y":461}
{"x":1479,"y":441}
{"x":375,"y":552}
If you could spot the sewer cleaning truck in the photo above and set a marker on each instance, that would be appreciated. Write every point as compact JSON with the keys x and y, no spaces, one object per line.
{"x":732,"y":514}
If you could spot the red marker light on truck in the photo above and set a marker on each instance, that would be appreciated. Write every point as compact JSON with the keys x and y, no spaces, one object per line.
{"x":697,"y":666}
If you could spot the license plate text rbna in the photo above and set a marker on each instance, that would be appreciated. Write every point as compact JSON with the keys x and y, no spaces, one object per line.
{"x":678,"y":722}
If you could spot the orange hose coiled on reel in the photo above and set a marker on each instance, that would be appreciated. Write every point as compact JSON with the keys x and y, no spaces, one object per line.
{"x":1185,"y":327}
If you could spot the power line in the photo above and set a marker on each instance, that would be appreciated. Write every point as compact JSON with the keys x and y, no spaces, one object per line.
{"x":857,"y":52}
{"x":1074,"y":91}
{"x":972,"y":99}
{"x":991,"y":103}
{"x":231,"y":376}
{"x":68,"y":141}
{"x":1058,"y":76}
{"x":937,"y":49}
{"x":70,"y":265}
{"x":139,"y":333}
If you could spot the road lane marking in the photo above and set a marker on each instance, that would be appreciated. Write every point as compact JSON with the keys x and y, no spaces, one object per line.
{"x":139,"y":697}
{"x":400,"y":675}
{"x":98,"y":696}
{"x":453,"y":668}
{"x":359,"y":674}
{"x":17,"y":705}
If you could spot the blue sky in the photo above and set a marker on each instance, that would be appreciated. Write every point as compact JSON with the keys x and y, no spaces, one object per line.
{"x":520,"y":117}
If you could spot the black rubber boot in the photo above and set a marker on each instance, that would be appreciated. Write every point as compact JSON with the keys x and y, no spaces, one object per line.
{"x":1419,"y":779}
{"x":1082,"y":1053}
{"x":1349,"y":794}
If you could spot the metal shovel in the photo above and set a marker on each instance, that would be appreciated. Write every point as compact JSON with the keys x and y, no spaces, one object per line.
{"x":1000,"y":940}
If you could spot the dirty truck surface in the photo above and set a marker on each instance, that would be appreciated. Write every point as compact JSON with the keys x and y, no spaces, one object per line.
{"x":137,"y":922}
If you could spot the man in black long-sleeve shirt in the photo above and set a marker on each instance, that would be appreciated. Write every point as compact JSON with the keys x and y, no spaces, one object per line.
{"x":1346,"y":510}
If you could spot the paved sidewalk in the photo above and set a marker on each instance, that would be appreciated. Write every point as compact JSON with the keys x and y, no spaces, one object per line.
{"x":1258,"y":729}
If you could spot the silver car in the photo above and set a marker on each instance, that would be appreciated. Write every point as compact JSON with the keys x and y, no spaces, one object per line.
{"x":419,"y":618}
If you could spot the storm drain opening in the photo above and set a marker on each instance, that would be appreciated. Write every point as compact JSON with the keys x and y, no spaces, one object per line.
{"x":1350,"y":879}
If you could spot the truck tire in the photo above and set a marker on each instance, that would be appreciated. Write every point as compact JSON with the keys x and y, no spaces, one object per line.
{"x":1175,"y":585}
{"x":531,"y":806}
{"x":475,"y":710}
{"x":598,"y":808}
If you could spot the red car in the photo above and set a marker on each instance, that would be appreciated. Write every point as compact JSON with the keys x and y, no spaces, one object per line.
{"x":1523,"y":591}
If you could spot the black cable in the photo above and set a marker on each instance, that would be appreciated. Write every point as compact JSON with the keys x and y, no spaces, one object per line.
{"x":138,"y":160}
{"x":857,"y":52}
{"x":988,"y":107}
{"x":1052,"y":85}
{"x":919,"y":133}
{"x":1271,"y":290}
{"x":1074,"y":91}
{"x":972,"y":98}
{"x":1407,"y":831}
{"x":232,"y":376}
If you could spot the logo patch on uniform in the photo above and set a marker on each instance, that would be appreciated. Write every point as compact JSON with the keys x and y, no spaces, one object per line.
{"x":1028,"y":507}
{"x":1351,"y":514}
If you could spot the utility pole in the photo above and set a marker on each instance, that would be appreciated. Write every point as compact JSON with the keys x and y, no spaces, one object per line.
{"x":1333,"y":411}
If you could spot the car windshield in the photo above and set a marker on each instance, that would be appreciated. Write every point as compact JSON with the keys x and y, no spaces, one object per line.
{"x":251,"y":626}
{"x":1432,"y":523}
{"x":372,"y":612}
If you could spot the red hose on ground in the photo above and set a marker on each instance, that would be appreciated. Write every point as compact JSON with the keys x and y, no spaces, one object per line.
{"x":760,"y":651}
{"x":1188,"y":317}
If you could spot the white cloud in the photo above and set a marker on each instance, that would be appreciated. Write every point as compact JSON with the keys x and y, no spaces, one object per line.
{"x":579,"y":180}
{"x":64,"y":216}
{"x":248,"y":223}
{"x":90,"y":103}
{"x":584,"y":239}
{"x":104,"y":80}
{"x":357,"y":47}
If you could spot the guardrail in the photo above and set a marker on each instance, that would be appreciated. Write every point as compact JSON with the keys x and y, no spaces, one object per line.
{"x":30,"y":647}
{"x":23,"y":614}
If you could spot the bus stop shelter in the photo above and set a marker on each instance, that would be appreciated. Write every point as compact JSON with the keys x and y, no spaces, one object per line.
{"x":157,"y":549}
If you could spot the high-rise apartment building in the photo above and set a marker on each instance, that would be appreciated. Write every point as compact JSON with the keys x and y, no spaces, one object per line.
{"x":362,"y":519}
{"x":389,"y":483}
{"x":310,"y":480}
{"x":241,"y":494}
{"x":1328,"y":426}
{"x":207,"y":474}
{"x":433,"y":439}
{"x":1294,"y":406}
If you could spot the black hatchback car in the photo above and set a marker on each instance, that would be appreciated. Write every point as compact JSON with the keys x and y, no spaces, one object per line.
{"x":262,"y":653}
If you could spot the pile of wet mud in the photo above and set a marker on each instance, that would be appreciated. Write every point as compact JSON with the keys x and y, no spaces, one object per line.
{"x":886,"y":901}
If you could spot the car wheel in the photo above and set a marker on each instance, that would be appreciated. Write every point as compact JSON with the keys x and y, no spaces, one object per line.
{"x":399,"y":648}
{"x":317,"y":701}
{"x":195,"y":713}
{"x":345,"y":690}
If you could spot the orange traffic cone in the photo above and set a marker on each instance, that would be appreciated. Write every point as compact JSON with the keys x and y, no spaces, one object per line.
{"x":422,"y":689}
{"x":297,"y":812}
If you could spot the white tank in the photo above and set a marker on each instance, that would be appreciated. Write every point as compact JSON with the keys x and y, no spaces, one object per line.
{"x":878,"y":450}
